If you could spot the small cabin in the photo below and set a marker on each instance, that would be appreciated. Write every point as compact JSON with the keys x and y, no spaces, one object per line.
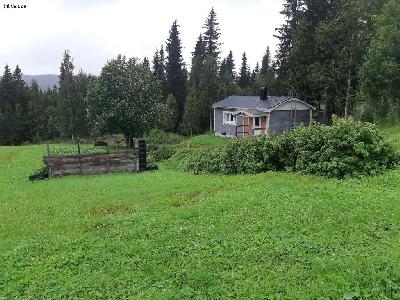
{"x":241,"y":116}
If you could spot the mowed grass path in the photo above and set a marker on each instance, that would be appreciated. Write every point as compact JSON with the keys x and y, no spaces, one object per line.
{"x":175,"y":235}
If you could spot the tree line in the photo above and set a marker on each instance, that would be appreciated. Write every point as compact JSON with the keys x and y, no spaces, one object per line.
{"x":340,"y":56}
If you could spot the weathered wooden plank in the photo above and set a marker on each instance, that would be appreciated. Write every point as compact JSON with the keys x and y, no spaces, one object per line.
{"x":93,"y":163}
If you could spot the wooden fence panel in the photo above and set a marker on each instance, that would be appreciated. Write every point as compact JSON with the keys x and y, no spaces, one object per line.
{"x":96,"y":163}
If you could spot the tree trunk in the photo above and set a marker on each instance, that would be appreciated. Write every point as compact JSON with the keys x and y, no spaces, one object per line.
{"x":211,"y":120}
{"x":346,"y":108}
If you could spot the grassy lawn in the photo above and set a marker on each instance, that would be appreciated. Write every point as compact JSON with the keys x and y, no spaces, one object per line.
{"x":175,"y":235}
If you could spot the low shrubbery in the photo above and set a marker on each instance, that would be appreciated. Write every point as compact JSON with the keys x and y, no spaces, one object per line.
{"x":345,"y":149}
{"x":39,"y":174}
{"x":161,"y":146}
{"x":158,"y":137}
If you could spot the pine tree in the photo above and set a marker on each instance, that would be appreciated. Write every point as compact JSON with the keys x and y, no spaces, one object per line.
{"x":292,"y":11}
{"x":7,"y":109}
{"x":244,"y":76}
{"x":146,"y":62}
{"x":176,"y":77}
{"x":230,"y":65}
{"x":159,"y":71}
{"x":198,"y":58}
{"x":80,"y":110}
{"x":21,"y":107}
{"x":212,"y":34}
{"x":66,"y":90}
{"x":266,"y":63}
{"x":72,"y":107}
{"x":37,"y":114}
{"x":255,"y":80}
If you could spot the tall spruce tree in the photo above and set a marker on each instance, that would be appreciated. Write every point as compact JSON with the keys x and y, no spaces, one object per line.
{"x":198,"y":58}
{"x":266,"y":63}
{"x":292,"y":12}
{"x":228,"y":66}
{"x":267,"y":73}
{"x":212,"y":34}
{"x":66,"y":90}
{"x":175,"y":73}
{"x":72,"y":107}
{"x":37,"y":113}
{"x":244,"y":76}
{"x":7,"y":108}
{"x":226,"y":81}
{"x":255,"y":80}
{"x":21,"y":107}
{"x":159,"y":71}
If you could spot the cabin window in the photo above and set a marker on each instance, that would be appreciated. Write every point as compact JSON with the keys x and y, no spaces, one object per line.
{"x":229,"y":118}
{"x":257,"y":122}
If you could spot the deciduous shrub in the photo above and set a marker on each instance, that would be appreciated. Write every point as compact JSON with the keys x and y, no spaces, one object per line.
{"x":158,"y":137}
{"x":161,"y":145}
{"x":345,"y":149}
{"x":39,"y":174}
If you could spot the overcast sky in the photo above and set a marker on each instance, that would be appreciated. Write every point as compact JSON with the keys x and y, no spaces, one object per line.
{"x":98,"y":30}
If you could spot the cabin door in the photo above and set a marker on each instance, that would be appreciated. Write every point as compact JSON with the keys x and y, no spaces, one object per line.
{"x":257,"y":125}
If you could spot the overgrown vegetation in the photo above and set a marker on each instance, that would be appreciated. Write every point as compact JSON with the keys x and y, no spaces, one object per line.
{"x":346,"y":149}
{"x":40,"y":174}
{"x":70,"y":149}
{"x":161,"y":145}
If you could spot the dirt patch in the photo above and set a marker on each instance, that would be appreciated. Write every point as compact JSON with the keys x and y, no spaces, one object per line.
{"x":112,"y":209}
{"x":186,"y":198}
{"x":183,"y":199}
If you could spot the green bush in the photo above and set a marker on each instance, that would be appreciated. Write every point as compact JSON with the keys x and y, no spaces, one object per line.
{"x":39,"y":174}
{"x":161,"y":145}
{"x":158,"y":137}
{"x":345,"y":149}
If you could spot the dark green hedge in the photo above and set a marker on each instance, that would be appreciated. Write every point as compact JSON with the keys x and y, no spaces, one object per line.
{"x":346,"y":149}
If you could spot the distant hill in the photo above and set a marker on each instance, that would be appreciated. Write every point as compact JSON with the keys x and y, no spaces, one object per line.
{"x":44,"y":81}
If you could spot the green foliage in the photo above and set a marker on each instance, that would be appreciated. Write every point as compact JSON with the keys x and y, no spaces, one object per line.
{"x":158,"y":137}
{"x":14,"y":118}
{"x":71,"y":107}
{"x":322,"y":46}
{"x":161,"y":145}
{"x":123,"y":99}
{"x":346,"y":149}
{"x":175,"y":72}
{"x":212,"y":34}
{"x":69,"y":149}
{"x":380,"y":73}
{"x":244,"y":75}
{"x":159,"y":71}
{"x":39,"y":174}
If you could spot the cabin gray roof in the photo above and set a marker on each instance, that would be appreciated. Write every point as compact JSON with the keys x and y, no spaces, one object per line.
{"x":253,"y":103}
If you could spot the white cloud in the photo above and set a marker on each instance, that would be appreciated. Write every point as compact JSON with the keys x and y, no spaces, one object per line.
{"x":96,"y":31}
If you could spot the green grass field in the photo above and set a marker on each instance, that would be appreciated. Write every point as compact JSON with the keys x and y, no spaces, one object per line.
{"x":174,"y":235}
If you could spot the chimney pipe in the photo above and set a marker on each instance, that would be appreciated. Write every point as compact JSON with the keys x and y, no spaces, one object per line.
{"x":264,"y":94}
